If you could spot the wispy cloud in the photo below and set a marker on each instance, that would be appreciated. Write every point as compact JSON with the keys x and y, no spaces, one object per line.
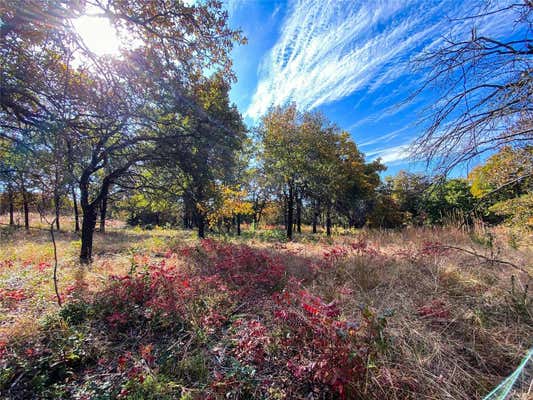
{"x":391,"y":154}
{"x":329,"y":49}
{"x":382,"y":138}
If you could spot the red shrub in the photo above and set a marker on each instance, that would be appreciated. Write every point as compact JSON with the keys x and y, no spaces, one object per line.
{"x":296,"y":332}
{"x":3,"y":348}
{"x":252,"y":338}
{"x":11,"y":297}
{"x":43,"y":266}
{"x":146,"y":353}
{"x":321,"y":347}
{"x":335,"y":254}
{"x":6,"y":264}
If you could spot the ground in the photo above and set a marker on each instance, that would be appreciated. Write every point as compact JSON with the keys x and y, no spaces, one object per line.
{"x":367,"y":314}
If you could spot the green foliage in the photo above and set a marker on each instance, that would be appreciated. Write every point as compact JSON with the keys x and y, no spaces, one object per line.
{"x":485,"y":239}
{"x":504,"y":175}
{"x":67,"y":351}
{"x":378,"y":324}
{"x":267,"y":235}
{"x":518,"y":211}
{"x":447,"y":201}
{"x":75,"y":312}
{"x":407,"y":190}
{"x":386,"y":213}
{"x":100,"y":121}
{"x":504,"y":185}
{"x":308,"y":159}
{"x":152,"y":387}
{"x":6,"y":376}
{"x":192,"y":368}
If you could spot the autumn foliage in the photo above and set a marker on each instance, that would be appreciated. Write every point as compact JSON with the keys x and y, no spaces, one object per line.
{"x":255,"y":325}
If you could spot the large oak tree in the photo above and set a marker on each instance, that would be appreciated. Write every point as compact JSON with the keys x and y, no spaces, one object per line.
{"x":109,"y":113}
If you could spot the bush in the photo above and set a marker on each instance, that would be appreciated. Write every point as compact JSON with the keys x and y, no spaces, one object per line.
{"x":216,"y":328}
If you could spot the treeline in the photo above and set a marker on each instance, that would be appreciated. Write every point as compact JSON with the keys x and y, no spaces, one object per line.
{"x":294,"y":182}
{"x":294,"y":169}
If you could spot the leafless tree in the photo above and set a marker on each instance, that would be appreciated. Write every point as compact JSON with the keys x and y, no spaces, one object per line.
{"x":484,"y":86}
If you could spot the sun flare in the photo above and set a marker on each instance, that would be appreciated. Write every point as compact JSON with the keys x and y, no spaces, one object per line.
{"x":98,"y":34}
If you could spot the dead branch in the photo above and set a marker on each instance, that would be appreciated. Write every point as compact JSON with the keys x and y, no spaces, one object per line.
{"x":491,"y":260}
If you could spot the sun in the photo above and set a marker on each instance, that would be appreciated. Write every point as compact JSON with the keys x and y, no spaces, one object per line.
{"x":98,"y":34}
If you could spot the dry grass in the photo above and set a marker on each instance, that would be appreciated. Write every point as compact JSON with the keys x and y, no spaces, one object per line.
{"x":455,"y":324}
{"x":482,"y":321}
{"x":22,"y":252}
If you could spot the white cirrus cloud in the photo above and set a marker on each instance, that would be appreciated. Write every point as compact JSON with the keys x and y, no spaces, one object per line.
{"x":329,"y":49}
{"x":387,"y":137}
{"x":391,"y":154}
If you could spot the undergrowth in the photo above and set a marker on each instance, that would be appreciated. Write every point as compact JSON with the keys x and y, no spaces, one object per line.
{"x":366,"y":317}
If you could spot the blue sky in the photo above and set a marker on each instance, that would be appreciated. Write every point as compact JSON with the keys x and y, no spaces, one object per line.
{"x":350,"y":59}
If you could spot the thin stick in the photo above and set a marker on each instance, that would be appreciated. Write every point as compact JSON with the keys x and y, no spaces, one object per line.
{"x":55,"y":262}
{"x":55,"y":254}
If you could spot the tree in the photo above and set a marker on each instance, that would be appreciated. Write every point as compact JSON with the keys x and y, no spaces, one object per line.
{"x":18,"y":171}
{"x":322,"y":179}
{"x":206,"y":155}
{"x":7,"y":177}
{"x":517,"y":211}
{"x":448,"y":201}
{"x":111,"y":112}
{"x":385,"y":212}
{"x":407,"y":190}
{"x":281,"y":155}
{"x":505,"y":183}
{"x":260,"y":190}
{"x":337,"y":177}
{"x":314,"y":163}
{"x":359,"y":183}
{"x":231,"y":207}
{"x":485,"y":85}
{"x":504,"y":175}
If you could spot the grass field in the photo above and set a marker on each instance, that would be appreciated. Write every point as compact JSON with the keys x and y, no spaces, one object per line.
{"x":420,"y":313}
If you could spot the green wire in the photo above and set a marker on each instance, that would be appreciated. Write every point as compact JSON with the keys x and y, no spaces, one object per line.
{"x":503,"y":389}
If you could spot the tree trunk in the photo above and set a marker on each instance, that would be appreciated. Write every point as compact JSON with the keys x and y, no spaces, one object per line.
{"x":26,"y":208}
{"x":315,"y":216}
{"x":259,"y":214}
{"x":87,"y":231}
{"x":43,"y":205}
{"x":76,"y":211}
{"x":285,"y":210}
{"x":290,"y":206}
{"x":201,"y":226}
{"x":90,"y":212}
{"x":185,"y":216}
{"x":328,"y":221}
{"x":103,"y":209}
{"x":238,"y":224}
{"x":11,"y":207}
{"x":188,"y":212}
{"x":299,"y":213}
{"x":57,"y":207}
